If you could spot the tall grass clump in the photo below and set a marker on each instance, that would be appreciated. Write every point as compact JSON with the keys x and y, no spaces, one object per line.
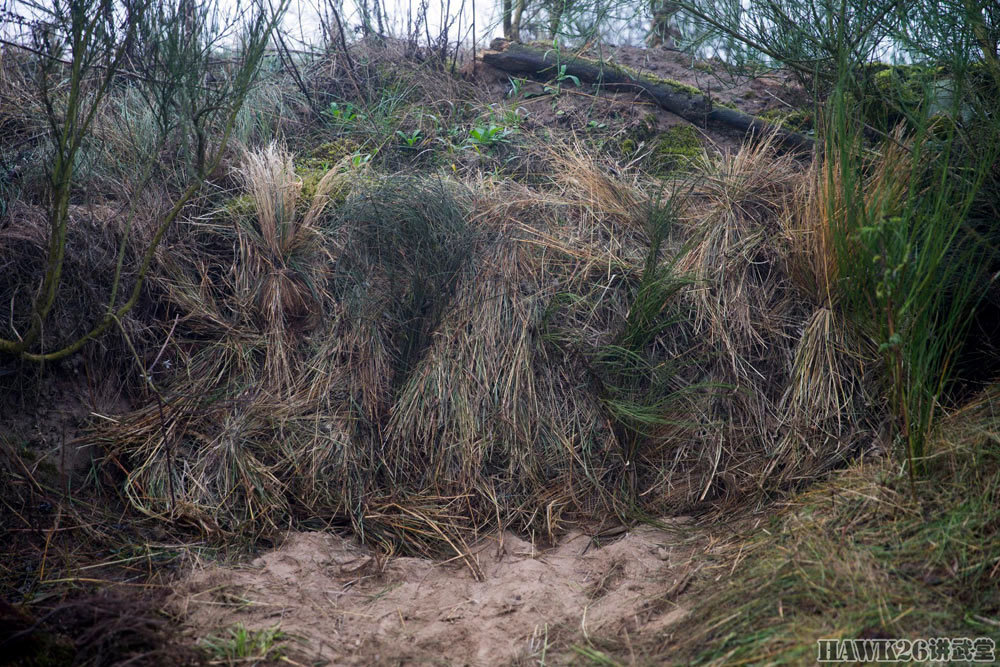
{"x":640,"y":380}
{"x":910,"y":268}
{"x":300,"y":324}
{"x":631,"y":346}
{"x":761,"y":334}
{"x":895,"y":236}
{"x":245,"y":285}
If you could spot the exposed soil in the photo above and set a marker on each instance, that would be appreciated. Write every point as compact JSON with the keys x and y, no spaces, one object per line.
{"x":752,"y":94}
{"x":580,"y":109}
{"x":509,"y":600}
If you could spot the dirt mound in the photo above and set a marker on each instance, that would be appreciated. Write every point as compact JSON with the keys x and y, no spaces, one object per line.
{"x":771,"y":95}
{"x":506,"y":600}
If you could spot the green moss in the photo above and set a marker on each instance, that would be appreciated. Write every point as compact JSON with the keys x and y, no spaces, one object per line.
{"x":676,"y":86}
{"x":796,"y":120}
{"x":238,"y":208}
{"x":674,"y":149}
{"x":639,"y":134}
{"x":679,"y":87}
{"x":324,"y":156}
{"x":309,"y":169}
{"x":321,"y":159}
{"x":905,"y":83}
{"x":941,"y":126}
{"x":896,"y":93}
{"x":310,"y":179}
{"x":668,"y":151}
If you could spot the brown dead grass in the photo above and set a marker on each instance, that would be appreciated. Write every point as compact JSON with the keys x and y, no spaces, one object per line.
{"x":428,"y":360}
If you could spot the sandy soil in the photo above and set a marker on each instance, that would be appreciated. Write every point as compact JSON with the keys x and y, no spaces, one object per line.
{"x":506,"y":602}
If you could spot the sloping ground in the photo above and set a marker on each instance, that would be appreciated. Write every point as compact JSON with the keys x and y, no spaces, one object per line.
{"x":508,"y":600}
{"x":754,"y":95}
{"x":389,"y":394}
{"x":542,"y":430}
{"x":589,"y":110}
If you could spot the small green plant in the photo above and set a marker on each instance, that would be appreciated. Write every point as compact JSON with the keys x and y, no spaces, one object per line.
{"x":341,"y":114}
{"x":360,"y":159}
{"x":516,"y":87}
{"x":486,"y":136}
{"x":239,"y":644}
{"x":411,"y":139}
{"x":561,"y":78}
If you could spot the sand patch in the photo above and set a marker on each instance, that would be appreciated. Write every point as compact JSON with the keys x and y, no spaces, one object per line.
{"x":508,"y":601}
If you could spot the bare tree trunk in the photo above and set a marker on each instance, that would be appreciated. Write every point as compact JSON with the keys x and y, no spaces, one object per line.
{"x":379,"y":13}
{"x":556,"y":8}
{"x":366,"y":19}
{"x":506,"y":9}
{"x":515,"y":23}
{"x":662,"y":31}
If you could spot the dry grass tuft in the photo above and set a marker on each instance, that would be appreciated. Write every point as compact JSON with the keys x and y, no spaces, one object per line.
{"x":425,"y":360}
{"x":737,"y":255}
{"x":791,"y":375}
{"x":281,"y":254}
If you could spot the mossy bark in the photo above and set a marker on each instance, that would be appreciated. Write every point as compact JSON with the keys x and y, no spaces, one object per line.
{"x":687,"y":102}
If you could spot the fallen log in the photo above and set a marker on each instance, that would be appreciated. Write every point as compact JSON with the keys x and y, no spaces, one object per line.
{"x":687,"y":102}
